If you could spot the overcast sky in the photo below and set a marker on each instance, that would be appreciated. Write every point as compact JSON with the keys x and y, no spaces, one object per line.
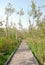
{"x":18,"y":4}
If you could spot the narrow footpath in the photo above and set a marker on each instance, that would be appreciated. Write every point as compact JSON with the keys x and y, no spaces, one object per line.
{"x":23,"y":56}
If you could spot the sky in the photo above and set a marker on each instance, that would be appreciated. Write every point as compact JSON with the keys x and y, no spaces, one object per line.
{"x":18,"y":4}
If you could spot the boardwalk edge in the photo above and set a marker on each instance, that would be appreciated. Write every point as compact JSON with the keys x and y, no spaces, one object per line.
{"x":10,"y":57}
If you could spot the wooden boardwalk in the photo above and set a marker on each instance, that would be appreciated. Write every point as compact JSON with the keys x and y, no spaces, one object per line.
{"x":23,"y":56}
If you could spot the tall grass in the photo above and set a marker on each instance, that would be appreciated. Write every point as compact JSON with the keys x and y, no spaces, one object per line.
{"x":37,"y":44}
{"x":8,"y":45}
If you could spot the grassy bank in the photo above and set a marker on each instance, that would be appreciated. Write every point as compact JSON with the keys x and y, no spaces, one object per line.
{"x":37,"y":45}
{"x":7,"y":46}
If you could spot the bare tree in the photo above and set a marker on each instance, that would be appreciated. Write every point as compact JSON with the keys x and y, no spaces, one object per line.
{"x":8,"y":11}
{"x":15,"y":30}
{"x":20,"y":13}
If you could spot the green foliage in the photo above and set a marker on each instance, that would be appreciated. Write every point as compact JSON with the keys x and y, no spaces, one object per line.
{"x":37,"y":44}
{"x":33,"y":6}
{"x":2,"y":32}
{"x":8,"y":45}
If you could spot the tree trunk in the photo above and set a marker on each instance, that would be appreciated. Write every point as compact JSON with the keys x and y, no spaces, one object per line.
{"x":7,"y":26}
